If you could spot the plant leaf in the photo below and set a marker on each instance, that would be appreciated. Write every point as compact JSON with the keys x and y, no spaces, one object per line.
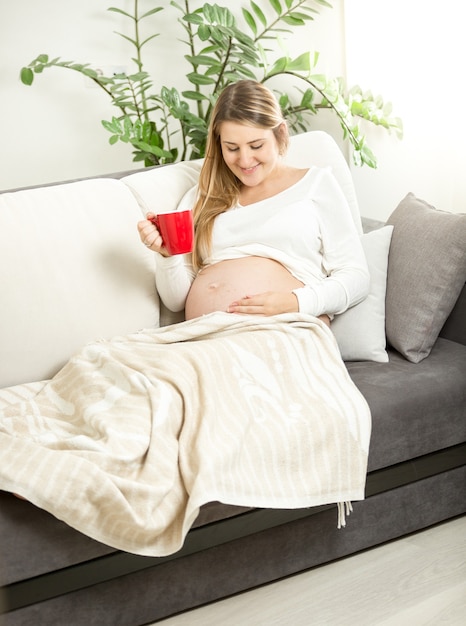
{"x":258,"y":11}
{"x":130,"y":39}
{"x":27,"y":76}
{"x":301,"y":63}
{"x":199,"y":79}
{"x":143,"y":43}
{"x":202,"y":59}
{"x":293,"y":21}
{"x":147,"y":114}
{"x":307,"y":99}
{"x":116,"y":10}
{"x":193,"y":95}
{"x":301,"y":16}
{"x":319,"y":80}
{"x":151,"y":12}
{"x":368,"y":157}
{"x":204,"y":32}
{"x":279,"y":66}
{"x":193,"y":18}
{"x":277,"y":6}
{"x":250,"y":21}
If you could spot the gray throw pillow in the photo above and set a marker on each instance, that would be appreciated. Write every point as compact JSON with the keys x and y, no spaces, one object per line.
{"x":426,"y":272}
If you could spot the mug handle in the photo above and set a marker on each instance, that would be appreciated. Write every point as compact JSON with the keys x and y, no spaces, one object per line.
{"x":156,"y":223}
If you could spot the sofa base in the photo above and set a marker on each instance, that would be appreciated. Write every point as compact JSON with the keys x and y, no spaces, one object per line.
{"x":267,"y":545}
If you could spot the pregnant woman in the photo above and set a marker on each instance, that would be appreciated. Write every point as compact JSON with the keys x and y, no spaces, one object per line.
{"x":255,"y":408}
{"x":269,"y":238}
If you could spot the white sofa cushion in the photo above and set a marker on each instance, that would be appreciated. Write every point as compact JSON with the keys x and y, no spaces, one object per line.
{"x":360,"y":331}
{"x":160,"y":189}
{"x":317,"y":147}
{"x":73,"y":270}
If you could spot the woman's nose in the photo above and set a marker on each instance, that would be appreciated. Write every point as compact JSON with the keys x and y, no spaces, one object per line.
{"x":245,"y":158}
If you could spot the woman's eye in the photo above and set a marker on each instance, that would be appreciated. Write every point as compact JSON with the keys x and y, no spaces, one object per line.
{"x":252,"y":148}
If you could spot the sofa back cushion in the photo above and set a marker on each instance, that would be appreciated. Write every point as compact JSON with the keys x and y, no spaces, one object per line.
{"x":318,"y":148}
{"x":160,"y":189}
{"x":73,"y":270}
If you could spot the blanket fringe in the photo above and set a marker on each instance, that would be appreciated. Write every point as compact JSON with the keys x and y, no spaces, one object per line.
{"x":344,"y":509}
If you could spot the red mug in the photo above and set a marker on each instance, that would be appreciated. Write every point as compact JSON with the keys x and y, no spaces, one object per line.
{"x":177,"y":230}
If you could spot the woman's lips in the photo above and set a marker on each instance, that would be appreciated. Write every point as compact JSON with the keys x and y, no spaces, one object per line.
{"x":249,"y":170}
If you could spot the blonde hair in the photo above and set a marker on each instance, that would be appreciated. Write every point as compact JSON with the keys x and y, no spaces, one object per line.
{"x":246,"y":102}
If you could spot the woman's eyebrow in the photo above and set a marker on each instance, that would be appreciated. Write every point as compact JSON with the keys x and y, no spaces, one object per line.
{"x":232,"y":143}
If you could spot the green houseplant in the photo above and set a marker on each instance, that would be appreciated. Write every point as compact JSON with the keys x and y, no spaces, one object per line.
{"x":165,"y":124}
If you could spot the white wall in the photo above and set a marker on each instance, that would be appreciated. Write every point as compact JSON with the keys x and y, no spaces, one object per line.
{"x":410,"y":51}
{"x":51,"y":131}
{"x":413,"y":52}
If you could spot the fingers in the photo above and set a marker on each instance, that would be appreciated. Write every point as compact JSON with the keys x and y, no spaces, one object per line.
{"x":252,"y":305}
{"x":325,"y":319}
{"x":150,"y":236}
{"x":268,"y":303}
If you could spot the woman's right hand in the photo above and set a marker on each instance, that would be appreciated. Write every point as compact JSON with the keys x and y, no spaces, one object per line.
{"x":150,"y":236}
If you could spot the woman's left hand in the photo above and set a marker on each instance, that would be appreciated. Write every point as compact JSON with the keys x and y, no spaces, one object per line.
{"x":268,"y":303}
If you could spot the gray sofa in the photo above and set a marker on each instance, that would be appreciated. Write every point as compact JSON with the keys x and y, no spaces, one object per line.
{"x":416,"y":389}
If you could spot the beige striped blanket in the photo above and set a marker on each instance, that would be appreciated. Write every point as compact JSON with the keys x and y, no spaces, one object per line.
{"x":135,"y":434}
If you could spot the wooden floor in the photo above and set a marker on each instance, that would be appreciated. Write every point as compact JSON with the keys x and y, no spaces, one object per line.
{"x":419,"y":580}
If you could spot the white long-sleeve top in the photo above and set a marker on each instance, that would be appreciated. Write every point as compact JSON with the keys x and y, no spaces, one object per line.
{"x":308,"y":228}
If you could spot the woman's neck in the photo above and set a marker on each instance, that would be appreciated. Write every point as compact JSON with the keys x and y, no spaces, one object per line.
{"x":281,"y":179}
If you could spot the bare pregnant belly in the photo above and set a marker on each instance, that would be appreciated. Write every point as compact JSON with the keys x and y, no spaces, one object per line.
{"x":218,"y":285}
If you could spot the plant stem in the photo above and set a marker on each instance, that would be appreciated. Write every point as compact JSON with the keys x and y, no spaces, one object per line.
{"x":189,"y":28}
{"x":139,"y":59}
{"x":165,"y":129}
{"x":353,"y":138}
{"x":136,"y":35}
{"x":220,"y":74}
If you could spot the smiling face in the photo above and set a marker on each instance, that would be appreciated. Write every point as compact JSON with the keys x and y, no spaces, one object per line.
{"x":251,"y":153}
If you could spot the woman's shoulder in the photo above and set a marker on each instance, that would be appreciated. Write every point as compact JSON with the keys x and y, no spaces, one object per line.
{"x":310,"y":178}
{"x":316,"y":173}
